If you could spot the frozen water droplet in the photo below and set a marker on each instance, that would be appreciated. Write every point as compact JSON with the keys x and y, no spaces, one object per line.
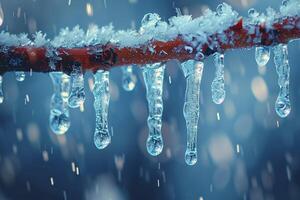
{"x":199,"y":56}
{"x":252,"y":13}
{"x":193,"y":73}
{"x":282,"y":104}
{"x":1,"y":90}
{"x":128,"y":79}
{"x":59,"y":119}
{"x":262,"y":55}
{"x":77,"y":95}
{"x":191,"y":157}
{"x":102,"y":137}
{"x":220,"y":9}
{"x":218,"y":84}
{"x":154,"y":79}
{"x":20,"y":76}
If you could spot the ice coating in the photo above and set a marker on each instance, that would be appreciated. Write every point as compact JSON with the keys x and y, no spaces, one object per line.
{"x":193,"y":73}
{"x":154,"y":78}
{"x":20,"y":76}
{"x":77,"y":95}
{"x":128,"y":78}
{"x":262,"y":55}
{"x":1,"y":90}
{"x":102,"y":137}
{"x":282,"y":104}
{"x":218,"y":84}
{"x":59,"y":113}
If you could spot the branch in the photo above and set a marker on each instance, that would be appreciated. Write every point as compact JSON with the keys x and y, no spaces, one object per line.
{"x":93,"y":58}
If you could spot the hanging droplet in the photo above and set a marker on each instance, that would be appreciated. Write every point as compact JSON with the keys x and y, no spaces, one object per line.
{"x":102,"y":137}
{"x":59,"y":112}
{"x":154,"y":79}
{"x":1,"y":90}
{"x":282,"y":105}
{"x":193,"y":73}
{"x":77,"y":95}
{"x":262,"y":55}
{"x":20,"y":76}
{"x":218,"y":84}
{"x":128,"y":79}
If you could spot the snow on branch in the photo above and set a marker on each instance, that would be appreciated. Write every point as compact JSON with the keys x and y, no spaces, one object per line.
{"x":181,"y":38}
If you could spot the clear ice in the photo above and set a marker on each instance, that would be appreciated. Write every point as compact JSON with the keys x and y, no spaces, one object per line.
{"x":102,"y":137}
{"x":154,"y":78}
{"x":59,"y":113}
{"x":262,"y":55}
{"x":1,"y":90}
{"x":20,"y":76}
{"x":282,"y":104}
{"x":218,"y":84}
{"x":128,"y":78}
{"x":193,"y":73}
{"x":77,"y":95}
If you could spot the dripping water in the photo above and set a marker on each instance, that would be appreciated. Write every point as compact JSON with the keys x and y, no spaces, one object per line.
{"x":154,"y":78}
{"x":59,"y":112}
{"x":77,"y":95}
{"x":193,"y":73}
{"x":262,"y":55}
{"x":1,"y":90}
{"x":282,"y":104}
{"x":102,"y":137}
{"x":218,"y":84}
{"x":20,"y":76}
{"x":128,"y":78}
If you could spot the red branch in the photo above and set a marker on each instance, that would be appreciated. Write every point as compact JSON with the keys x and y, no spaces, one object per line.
{"x":110,"y":55}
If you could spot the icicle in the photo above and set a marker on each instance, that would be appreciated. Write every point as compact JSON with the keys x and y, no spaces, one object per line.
{"x":282,"y":105}
{"x":20,"y":76}
{"x":218,"y":84}
{"x":262,"y":55}
{"x":102,"y":137}
{"x":59,"y":112}
{"x":128,"y":79}
{"x":193,"y":73}
{"x":77,"y":95}
{"x":1,"y":90}
{"x":154,"y":79}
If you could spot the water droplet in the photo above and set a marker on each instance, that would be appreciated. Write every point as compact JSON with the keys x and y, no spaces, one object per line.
{"x":252,"y":13}
{"x":282,"y":104}
{"x":154,"y":78}
{"x":262,"y":55}
{"x":220,"y":9}
{"x":128,"y":79}
{"x":285,"y":2}
{"x":77,"y":95}
{"x":59,"y":113}
{"x":193,"y":73}
{"x":218,"y":84}
{"x":20,"y":76}
{"x":102,"y":137}
{"x":1,"y":90}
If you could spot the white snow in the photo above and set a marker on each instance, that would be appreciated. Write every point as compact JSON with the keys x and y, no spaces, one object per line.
{"x":152,"y":28}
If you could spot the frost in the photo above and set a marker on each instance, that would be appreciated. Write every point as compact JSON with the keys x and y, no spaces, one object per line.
{"x":154,"y":28}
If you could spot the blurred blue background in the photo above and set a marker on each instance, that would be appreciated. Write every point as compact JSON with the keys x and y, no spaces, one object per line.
{"x":249,"y":153}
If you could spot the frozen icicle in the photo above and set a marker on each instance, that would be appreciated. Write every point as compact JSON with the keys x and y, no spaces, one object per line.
{"x":20,"y":76}
{"x":218,"y":84}
{"x":128,"y":79}
{"x":1,"y":90}
{"x":283,"y":104}
{"x":193,"y":73}
{"x":262,"y":55}
{"x":59,"y":112}
{"x":77,"y":95}
{"x":154,"y":79}
{"x":102,"y":137}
